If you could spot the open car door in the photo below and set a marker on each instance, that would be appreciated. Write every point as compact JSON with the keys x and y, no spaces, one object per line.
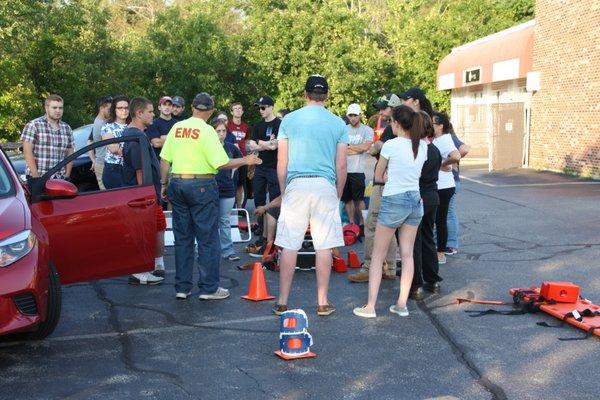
{"x":98,"y":234}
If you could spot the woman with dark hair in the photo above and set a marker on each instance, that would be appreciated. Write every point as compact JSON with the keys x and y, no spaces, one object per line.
{"x":403,"y":158}
{"x":425,"y":251}
{"x":112,"y":176}
{"x":450,"y":155}
{"x":415,"y":98}
{"x":225,"y":180}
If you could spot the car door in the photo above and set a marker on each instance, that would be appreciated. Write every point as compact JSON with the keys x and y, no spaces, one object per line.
{"x":98,"y":234}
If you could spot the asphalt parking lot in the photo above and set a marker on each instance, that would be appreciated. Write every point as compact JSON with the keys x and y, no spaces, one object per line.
{"x":518,"y":228}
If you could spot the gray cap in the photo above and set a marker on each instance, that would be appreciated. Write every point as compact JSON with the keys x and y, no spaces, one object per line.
{"x":203,"y":102}
{"x":179,"y":101}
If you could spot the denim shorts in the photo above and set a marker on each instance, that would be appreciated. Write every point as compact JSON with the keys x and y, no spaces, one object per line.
{"x":401,"y":208}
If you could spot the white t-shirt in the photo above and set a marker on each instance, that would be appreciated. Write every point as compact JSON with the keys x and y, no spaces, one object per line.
{"x":445,"y":145}
{"x":358,"y":135}
{"x":404,"y":170}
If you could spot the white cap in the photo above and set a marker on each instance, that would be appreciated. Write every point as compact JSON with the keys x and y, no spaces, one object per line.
{"x":353,"y":109}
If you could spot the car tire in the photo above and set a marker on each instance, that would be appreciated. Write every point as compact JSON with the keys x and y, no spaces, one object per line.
{"x":54,"y":307}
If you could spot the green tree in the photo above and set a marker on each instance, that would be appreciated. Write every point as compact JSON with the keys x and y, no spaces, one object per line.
{"x":293,"y":39}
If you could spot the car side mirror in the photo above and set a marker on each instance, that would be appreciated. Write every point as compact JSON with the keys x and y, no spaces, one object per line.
{"x":60,"y":188}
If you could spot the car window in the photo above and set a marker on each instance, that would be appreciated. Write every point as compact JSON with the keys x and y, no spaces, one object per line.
{"x":6,"y":184}
{"x":80,"y":135}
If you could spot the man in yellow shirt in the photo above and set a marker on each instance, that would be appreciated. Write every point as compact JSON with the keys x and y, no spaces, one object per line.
{"x":194,"y":154}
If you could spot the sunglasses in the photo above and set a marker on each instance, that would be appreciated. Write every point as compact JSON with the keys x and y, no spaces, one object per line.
{"x":263,"y":108}
{"x":353,"y":115}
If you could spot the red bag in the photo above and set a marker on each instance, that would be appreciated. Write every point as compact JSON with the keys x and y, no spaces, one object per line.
{"x":351,"y":232}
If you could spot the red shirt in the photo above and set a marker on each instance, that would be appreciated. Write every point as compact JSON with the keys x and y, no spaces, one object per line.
{"x":240,"y":132}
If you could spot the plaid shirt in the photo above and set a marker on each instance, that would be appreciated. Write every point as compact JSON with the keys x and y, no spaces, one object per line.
{"x":49,"y":145}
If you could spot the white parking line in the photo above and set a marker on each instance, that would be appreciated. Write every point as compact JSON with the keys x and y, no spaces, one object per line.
{"x":530,"y":184}
{"x":172,"y":328}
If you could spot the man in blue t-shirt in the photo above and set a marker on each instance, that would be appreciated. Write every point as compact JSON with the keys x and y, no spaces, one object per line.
{"x":311,"y":168}
{"x":142,"y":112}
{"x":157,"y":132}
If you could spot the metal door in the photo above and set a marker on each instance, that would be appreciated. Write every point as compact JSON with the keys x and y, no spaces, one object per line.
{"x":508,"y":134}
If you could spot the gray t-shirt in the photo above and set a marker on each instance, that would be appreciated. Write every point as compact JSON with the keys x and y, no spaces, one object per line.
{"x":363,"y":133}
{"x":97,"y":136}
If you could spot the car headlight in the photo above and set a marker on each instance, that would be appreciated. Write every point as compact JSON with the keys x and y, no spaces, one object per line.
{"x":16,"y":247}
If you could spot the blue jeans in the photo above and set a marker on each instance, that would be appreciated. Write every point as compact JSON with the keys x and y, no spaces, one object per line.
{"x":196,"y":216}
{"x":112,"y":176}
{"x":225,"y":206}
{"x":401,"y":208}
{"x":453,"y":220}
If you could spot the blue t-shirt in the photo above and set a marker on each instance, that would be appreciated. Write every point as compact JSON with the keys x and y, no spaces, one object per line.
{"x":312,"y":133}
{"x":159,"y":128}
{"x":132,"y":161}
{"x":230,"y":138}
{"x":226,"y":178}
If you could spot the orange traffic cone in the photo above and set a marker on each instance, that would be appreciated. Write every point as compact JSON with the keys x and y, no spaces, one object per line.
{"x":339,"y":265}
{"x":258,"y":287}
{"x":353,"y":260}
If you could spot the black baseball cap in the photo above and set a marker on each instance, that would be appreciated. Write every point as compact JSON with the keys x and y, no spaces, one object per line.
{"x":264,"y":101}
{"x":203,"y":102}
{"x":413,"y":93}
{"x":316,"y":84}
{"x":178,"y":101}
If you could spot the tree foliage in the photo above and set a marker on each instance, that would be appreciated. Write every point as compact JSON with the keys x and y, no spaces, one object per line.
{"x":237,"y":50}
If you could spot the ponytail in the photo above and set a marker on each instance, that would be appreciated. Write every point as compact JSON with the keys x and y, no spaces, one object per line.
{"x":416,"y":132}
{"x":412,"y":122}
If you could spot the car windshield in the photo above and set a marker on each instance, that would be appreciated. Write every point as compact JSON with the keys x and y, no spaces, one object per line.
{"x":6,"y":184}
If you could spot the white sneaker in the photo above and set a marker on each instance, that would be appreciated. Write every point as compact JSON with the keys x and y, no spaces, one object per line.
{"x":401,"y":311}
{"x":145,"y":278}
{"x":220,"y":294}
{"x":363,"y":312}
{"x":182,"y":295}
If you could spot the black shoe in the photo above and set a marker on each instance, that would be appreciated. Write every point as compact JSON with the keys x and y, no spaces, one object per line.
{"x":416,"y":294}
{"x":432,"y":287}
{"x":159,"y":272}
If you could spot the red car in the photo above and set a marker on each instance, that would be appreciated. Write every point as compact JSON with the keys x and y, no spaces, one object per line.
{"x":51,"y":235}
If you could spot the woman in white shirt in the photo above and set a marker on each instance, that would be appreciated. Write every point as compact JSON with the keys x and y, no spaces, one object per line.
{"x":446,"y":186}
{"x":401,"y":205}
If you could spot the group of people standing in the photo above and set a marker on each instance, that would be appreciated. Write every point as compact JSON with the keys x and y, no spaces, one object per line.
{"x":306,"y":162}
{"x":413,"y":187}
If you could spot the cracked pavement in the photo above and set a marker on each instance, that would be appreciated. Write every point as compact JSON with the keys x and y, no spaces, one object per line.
{"x":118,"y":341}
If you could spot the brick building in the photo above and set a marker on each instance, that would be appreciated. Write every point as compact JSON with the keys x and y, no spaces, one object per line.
{"x":530,"y":95}
{"x":565,"y":114}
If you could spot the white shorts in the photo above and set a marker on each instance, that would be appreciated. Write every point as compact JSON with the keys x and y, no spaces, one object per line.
{"x":314,"y":201}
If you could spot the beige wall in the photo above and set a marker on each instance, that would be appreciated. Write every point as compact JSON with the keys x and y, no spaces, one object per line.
{"x":565,"y":119}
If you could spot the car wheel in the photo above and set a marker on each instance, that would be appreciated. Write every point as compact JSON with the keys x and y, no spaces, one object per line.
{"x":54,"y":306}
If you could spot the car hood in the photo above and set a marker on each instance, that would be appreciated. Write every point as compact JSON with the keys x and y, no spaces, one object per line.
{"x":12,"y":216}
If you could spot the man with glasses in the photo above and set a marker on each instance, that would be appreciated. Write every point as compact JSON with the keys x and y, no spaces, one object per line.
{"x":241,"y":131}
{"x":360,"y":140}
{"x":97,"y":155}
{"x":264,"y":141}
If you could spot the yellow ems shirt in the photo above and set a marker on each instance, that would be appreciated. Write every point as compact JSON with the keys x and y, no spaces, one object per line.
{"x":193,"y":147}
